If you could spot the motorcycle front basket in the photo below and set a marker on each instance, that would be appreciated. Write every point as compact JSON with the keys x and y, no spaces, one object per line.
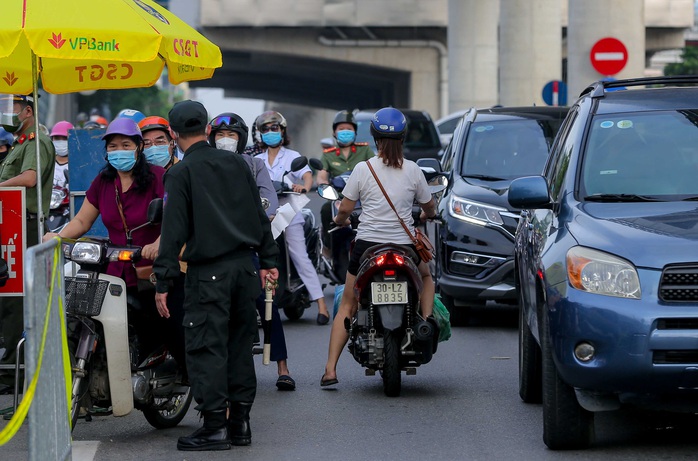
{"x":84,"y":296}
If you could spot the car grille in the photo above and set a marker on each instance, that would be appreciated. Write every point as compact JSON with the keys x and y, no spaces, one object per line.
{"x":675,"y":357}
{"x":679,"y":283}
{"x":678,"y":324}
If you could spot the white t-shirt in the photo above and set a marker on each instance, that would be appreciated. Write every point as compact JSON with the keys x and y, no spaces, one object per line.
{"x":59,"y":175}
{"x":403,"y":186}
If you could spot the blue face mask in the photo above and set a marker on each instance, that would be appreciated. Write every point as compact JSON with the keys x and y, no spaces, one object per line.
{"x":272,"y":138}
{"x":157,"y":155}
{"x":122,"y":160}
{"x":346,"y":137}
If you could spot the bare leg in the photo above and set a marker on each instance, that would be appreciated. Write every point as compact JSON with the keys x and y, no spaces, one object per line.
{"x":339,"y":335}
{"x":282,"y":366}
{"x":426,"y":299}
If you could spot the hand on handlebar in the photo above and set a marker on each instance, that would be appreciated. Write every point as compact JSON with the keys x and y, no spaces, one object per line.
{"x":298,"y":188}
{"x":424,"y":218}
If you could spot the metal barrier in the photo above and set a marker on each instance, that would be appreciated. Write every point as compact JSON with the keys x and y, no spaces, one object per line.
{"x":46,"y":353}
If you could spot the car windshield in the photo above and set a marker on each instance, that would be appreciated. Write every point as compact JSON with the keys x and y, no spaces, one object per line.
{"x":508,"y":149}
{"x":420,"y":134}
{"x":649,"y":155}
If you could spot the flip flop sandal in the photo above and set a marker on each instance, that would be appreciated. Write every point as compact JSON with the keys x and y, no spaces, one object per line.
{"x":285,"y":383}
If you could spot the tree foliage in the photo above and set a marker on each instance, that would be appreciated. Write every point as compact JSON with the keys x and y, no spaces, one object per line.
{"x":688,"y":64}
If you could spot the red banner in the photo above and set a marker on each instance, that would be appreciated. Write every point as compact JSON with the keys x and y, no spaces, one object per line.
{"x":13,"y":243}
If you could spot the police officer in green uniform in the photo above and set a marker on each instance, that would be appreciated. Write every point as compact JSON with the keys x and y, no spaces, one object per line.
{"x":338,"y":160}
{"x":19,"y":169}
{"x":212,"y":205}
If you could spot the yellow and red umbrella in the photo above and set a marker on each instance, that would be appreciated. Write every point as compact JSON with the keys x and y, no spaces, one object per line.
{"x":81,"y":45}
{"x":90,"y":45}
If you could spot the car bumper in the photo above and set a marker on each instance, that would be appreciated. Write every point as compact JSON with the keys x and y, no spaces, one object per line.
{"x":497,"y":285}
{"x":643,"y":347}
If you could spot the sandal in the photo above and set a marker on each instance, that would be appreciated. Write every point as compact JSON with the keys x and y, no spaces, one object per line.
{"x":285,"y":383}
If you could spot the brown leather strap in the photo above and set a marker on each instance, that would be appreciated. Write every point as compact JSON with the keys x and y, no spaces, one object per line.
{"x":121,"y":210}
{"x":404,"y":226}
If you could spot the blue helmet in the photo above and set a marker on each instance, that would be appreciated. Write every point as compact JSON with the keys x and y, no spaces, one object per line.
{"x":133,"y":114}
{"x":6,"y":139}
{"x":388,"y":122}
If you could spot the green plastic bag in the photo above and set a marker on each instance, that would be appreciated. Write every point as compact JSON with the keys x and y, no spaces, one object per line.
{"x":443,"y":319}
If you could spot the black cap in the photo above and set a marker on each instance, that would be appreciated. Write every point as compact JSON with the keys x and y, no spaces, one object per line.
{"x":188,"y":116}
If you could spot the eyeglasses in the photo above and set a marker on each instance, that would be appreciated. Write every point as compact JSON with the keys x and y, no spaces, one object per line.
{"x":224,"y":120}
{"x":267,"y":128}
{"x":159,"y":141}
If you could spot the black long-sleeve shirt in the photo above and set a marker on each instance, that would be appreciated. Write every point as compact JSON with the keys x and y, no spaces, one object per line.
{"x":212,"y":204}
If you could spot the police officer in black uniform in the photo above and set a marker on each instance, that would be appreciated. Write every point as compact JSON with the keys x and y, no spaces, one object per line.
{"x":212,"y":205}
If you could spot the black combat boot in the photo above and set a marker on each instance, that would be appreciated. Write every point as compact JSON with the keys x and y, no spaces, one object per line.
{"x":239,"y":423}
{"x":213,"y":436}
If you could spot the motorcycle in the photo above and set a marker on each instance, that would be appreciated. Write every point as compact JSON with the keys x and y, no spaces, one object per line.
{"x":335,"y":267}
{"x":59,"y":208}
{"x":103,"y":345}
{"x":387,"y":334}
{"x":292,"y":294}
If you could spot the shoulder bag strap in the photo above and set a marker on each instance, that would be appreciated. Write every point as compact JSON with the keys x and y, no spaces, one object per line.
{"x":404,"y":226}
{"x":121,"y":210}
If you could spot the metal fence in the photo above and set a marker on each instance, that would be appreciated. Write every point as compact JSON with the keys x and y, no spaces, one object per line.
{"x":44,"y":324}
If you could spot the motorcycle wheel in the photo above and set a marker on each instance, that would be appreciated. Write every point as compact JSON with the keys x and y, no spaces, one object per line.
{"x":296,"y":304}
{"x":391,"y":364}
{"x":177,"y":405}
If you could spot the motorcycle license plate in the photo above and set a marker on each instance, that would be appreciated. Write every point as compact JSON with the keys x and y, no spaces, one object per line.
{"x":389,"y":292}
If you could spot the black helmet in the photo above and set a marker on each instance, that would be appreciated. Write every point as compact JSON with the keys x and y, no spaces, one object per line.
{"x":388,"y":123}
{"x":270,"y":116}
{"x":229,"y":121}
{"x":343,"y":116}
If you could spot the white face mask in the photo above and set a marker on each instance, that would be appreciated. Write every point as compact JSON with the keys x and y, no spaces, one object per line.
{"x":61,"y":148}
{"x":230,"y":144}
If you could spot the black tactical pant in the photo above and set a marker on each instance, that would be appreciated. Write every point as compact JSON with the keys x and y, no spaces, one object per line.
{"x":220,"y":324}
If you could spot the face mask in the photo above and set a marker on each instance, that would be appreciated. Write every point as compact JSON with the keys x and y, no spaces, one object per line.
{"x":122,"y":160}
{"x":15,"y":125}
{"x":157,"y":155}
{"x":227,"y":144}
{"x":272,"y":138}
{"x":61,"y":148}
{"x":346,"y":137}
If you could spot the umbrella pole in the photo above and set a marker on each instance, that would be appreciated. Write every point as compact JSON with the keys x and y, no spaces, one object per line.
{"x":39,"y":193}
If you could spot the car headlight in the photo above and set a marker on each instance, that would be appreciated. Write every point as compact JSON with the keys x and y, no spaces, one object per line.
{"x":57,"y":196}
{"x":602,"y":273}
{"x":84,"y":252}
{"x":474,"y":212}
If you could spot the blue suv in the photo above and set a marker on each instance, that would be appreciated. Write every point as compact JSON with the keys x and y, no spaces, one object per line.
{"x":606,"y":257}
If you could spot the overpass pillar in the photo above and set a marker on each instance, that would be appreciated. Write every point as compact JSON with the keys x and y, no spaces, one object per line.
{"x":592,"y":20}
{"x":530,"y":49}
{"x":472,"y":53}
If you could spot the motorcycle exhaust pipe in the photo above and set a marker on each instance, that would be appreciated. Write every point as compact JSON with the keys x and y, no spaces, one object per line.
{"x":424,"y":331}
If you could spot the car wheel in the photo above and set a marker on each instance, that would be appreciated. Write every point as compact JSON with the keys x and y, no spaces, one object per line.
{"x":530,"y":369}
{"x":566,"y":425}
{"x":460,"y":315}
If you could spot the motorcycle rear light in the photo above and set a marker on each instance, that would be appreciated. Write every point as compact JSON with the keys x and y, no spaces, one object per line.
{"x":389,"y":275}
{"x":380,"y":260}
{"x":398,"y":259}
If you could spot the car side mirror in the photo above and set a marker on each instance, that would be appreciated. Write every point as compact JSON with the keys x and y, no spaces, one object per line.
{"x":529,"y":192}
{"x":327,"y":192}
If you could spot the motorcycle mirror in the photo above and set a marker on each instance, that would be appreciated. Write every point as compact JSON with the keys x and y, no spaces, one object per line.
{"x":316,"y":164}
{"x":299,"y":163}
{"x":327,"y":192}
{"x":265,"y":203}
{"x":155,"y":211}
{"x":429,"y":163}
{"x":438,"y":184}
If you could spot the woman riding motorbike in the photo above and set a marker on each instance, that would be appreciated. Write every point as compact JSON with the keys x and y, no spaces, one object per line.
{"x":277,"y":159}
{"x":404,"y":182}
{"x":125,"y":185}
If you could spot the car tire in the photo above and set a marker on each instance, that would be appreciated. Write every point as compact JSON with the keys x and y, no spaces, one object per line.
{"x":530,"y":362}
{"x":566,"y":425}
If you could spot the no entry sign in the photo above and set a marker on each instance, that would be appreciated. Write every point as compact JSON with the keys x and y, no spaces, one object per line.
{"x":608,"y":56}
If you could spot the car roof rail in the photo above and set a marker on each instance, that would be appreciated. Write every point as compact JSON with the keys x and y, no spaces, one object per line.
{"x":597,"y":89}
{"x":470,"y":114}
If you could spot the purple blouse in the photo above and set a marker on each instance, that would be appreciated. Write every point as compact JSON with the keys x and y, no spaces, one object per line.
{"x":102,"y":195}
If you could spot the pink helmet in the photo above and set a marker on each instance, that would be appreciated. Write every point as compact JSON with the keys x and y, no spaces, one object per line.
{"x":61,"y":128}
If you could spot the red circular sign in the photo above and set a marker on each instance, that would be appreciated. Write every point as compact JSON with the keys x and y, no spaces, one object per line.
{"x":608,"y":56}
